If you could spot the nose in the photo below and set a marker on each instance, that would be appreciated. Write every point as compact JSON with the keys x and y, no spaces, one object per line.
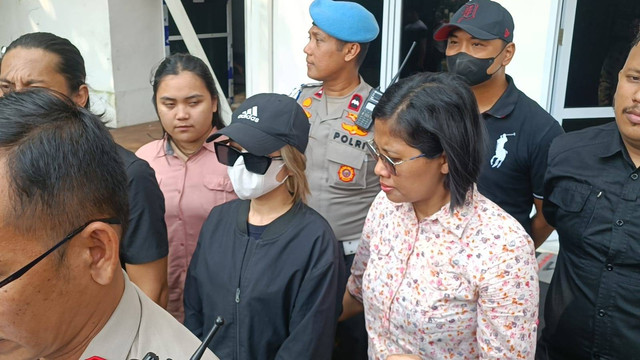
{"x":636,"y":95}
{"x":182,"y":113}
{"x":307,"y":47}
{"x":380,"y":169}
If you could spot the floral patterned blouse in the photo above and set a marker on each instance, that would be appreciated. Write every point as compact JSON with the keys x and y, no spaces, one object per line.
{"x":451,"y":286}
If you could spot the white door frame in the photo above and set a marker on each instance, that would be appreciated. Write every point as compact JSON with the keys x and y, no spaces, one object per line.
{"x":391,"y":32}
{"x":558,"y":109}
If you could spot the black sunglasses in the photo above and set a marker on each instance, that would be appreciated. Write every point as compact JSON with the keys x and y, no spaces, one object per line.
{"x":228,"y":155}
{"x":16,"y":275}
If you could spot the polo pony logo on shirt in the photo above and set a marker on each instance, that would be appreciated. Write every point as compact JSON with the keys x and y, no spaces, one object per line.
{"x":250,"y":114}
{"x":501,"y":153}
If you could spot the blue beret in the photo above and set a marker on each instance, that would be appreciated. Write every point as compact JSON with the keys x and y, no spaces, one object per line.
{"x":344,"y":20}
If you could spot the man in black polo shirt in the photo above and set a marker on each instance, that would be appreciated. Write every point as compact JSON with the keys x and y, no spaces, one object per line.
{"x":479,"y":47}
{"x":592,"y":197}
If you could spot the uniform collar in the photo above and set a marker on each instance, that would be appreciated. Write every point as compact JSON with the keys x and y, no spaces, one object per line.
{"x":116,"y":338}
{"x":506,"y":103}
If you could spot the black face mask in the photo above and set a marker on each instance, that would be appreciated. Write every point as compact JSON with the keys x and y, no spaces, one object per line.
{"x":472,"y":69}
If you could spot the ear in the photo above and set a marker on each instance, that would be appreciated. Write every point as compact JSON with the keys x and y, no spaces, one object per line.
{"x":214,"y":103}
{"x":103,"y":245}
{"x":283,"y":173}
{"x":351,"y":51}
{"x":509,"y":52}
{"x":81,"y":96}
{"x":444,"y":166}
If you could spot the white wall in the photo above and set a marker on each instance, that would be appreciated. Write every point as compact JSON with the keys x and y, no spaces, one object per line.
{"x":290,"y":38}
{"x":120,"y":40}
{"x":137,"y":46}
{"x":276,"y":33}
{"x":89,"y":33}
{"x":535,"y":36}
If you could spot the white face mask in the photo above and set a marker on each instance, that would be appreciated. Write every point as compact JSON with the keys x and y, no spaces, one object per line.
{"x":248,"y":185}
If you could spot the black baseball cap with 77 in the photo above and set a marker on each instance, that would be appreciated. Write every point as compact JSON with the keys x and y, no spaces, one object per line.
{"x":483,"y":19}
{"x":265,"y":123}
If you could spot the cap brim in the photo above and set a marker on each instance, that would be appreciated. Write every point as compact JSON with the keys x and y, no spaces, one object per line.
{"x":443,"y":32}
{"x":251,"y":139}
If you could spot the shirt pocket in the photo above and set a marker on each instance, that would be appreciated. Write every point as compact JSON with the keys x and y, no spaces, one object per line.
{"x":220,"y":190}
{"x":217,"y":183}
{"x":575,"y":204}
{"x":347,"y":166}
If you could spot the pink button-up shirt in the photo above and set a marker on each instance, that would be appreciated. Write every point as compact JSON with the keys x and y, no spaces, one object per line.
{"x":451,"y":286}
{"x":191,"y":189}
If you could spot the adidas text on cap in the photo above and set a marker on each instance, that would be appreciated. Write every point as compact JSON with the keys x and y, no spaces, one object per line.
{"x":265,"y":123}
{"x":483,"y":19}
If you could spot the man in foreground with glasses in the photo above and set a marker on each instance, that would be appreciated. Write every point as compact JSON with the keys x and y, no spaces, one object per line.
{"x":61,"y":178}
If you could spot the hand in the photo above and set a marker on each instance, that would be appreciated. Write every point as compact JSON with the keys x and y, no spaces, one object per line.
{"x":403,"y":357}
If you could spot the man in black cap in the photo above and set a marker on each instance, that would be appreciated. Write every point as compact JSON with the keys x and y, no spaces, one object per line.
{"x":479,"y":47}
{"x":339,"y":169}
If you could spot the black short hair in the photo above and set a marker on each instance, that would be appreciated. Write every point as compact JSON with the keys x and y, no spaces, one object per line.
{"x":71,"y":63}
{"x":636,"y":40}
{"x":177,"y":63}
{"x":61,"y":163}
{"x":364,"y":49}
{"x":435,"y":113}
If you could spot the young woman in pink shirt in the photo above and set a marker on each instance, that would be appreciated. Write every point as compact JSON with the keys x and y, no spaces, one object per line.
{"x":190,"y":177}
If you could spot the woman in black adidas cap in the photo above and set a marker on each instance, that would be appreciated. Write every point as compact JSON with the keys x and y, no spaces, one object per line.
{"x":267,"y":263}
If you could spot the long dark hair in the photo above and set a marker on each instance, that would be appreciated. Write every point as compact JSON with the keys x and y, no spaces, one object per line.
{"x":436,"y":113}
{"x":177,"y":63}
{"x":71,"y":63}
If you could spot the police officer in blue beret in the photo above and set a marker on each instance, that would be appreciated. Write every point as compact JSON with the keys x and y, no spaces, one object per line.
{"x":339,"y":169}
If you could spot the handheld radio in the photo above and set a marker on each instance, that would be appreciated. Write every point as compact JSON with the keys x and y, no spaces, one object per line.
{"x":365,"y":119}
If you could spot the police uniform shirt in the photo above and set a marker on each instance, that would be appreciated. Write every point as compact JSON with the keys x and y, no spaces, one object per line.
{"x":519,"y":134}
{"x":339,"y":167}
{"x":138,"y":326}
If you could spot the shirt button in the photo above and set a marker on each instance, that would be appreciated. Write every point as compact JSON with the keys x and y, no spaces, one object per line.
{"x":609,"y":267}
{"x":619,"y":222}
{"x":601,"y":313}
{"x":634,"y":176}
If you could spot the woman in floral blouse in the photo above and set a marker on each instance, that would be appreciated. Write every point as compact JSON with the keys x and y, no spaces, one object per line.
{"x":441,"y":271}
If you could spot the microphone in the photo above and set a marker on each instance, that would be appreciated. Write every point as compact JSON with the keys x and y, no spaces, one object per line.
{"x":216,"y":326}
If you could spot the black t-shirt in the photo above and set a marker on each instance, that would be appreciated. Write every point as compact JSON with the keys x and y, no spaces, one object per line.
{"x":255,"y":231}
{"x":519,"y":134}
{"x":146,"y":238}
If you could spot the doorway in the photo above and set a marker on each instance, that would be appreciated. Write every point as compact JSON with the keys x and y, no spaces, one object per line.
{"x":593,"y":48}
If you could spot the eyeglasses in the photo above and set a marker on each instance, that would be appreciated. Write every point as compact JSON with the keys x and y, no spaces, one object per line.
{"x":228,"y":155}
{"x":389,"y":164}
{"x":16,"y":275}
